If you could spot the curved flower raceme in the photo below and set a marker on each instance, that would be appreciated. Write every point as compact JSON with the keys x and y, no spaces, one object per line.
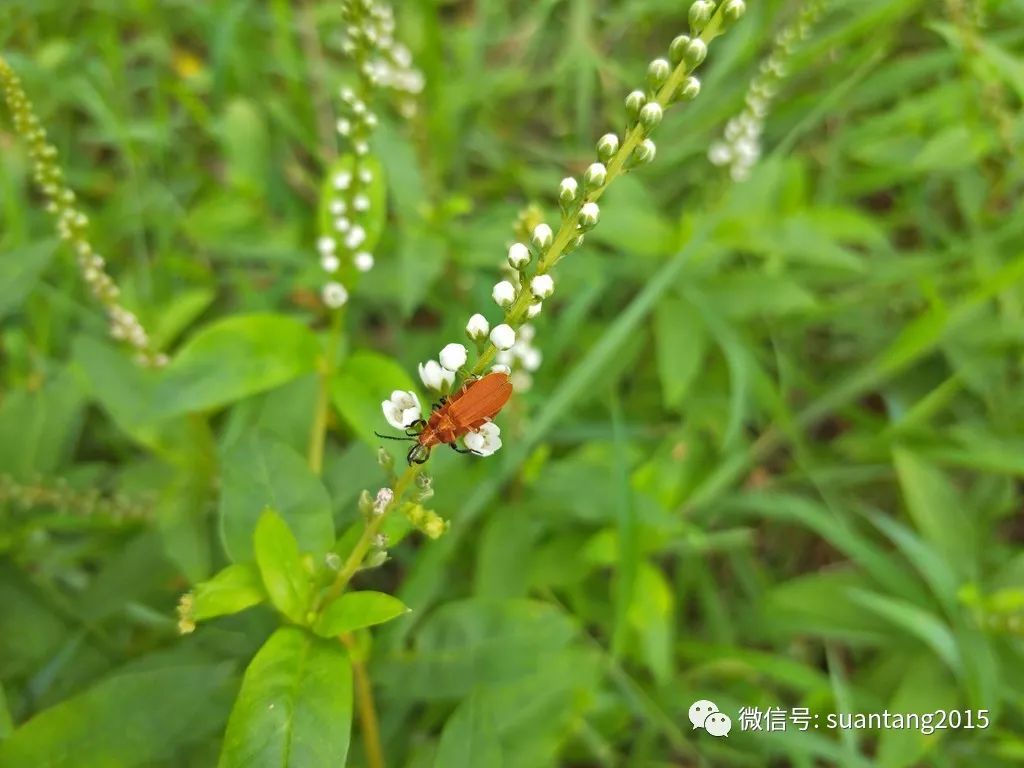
{"x":506,"y":346}
{"x":402,"y":409}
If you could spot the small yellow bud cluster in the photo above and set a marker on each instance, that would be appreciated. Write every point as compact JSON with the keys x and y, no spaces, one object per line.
{"x":72,"y":223}
{"x":186,"y":615}
{"x":428,"y":522}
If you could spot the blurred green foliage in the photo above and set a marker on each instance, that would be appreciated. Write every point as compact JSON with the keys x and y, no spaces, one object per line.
{"x":773,"y":457}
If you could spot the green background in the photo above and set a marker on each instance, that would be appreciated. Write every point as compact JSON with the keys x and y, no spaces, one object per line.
{"x":773,"y":457}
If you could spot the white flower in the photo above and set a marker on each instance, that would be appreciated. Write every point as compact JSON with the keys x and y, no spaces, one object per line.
{"x":503,"y":293}
{"x":365,"y":175}
{"x":534,"y":309}
{"x":334,"y":295}
{"x":485,"y":440}
{"x":383,"y":499}
{"x":363,"y":261}
{"x":453,"y":357}
{"x":503,"y":337}
{"x":521,"y":381}
{"x":361,"y":202}
{"x":344,"y":126}
{"x":402,"y":409}
{"x":434,"y":376}
{"x":355,"y":237}
{"x":505,"y":358}
{"x":326,"y":245}
{"x":542,"y":236}
{"x":477,"y":327}
{"x":499,"y":368}
{"x":518,"y":256}
{"x":342,"y":180}
{"x":338,"y":207}
{"x":542,"y":286}
{"x":342,"y":224}
{"x":526,"y":333}
{"x":330,"y":262}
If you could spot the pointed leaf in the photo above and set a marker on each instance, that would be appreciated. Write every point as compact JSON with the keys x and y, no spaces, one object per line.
{"x":356,"y":610}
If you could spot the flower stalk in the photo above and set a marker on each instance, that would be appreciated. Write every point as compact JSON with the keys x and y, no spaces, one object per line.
{"x":73,"y":224}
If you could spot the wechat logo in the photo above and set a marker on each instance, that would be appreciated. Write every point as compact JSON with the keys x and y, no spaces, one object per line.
{"x":704,"y":714}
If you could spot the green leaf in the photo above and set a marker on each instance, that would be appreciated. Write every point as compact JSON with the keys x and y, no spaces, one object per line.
{"x":470,"y":737}
{"x":681,"y":340}
{"x":259,"y":472}
{"x":46,"y":422}
{"x":295,"y":706}
{"x":235,"y":358}
{"x":364,"y":381}
{"x":234,"y":589}
{"x":356,"y":610}
{"x":243,"y":132}
{"x":932,"y":504}
{"x":651,"y":616}
{"x":132,"y":720}
{"x":19,"y":272}
{"x":178,"y":314}
{"x":277,"y":554}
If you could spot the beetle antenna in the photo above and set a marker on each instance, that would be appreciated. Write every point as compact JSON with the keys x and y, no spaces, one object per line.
{"x":400,"y":439}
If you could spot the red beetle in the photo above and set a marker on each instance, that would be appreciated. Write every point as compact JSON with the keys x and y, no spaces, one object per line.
{"x":476,"y":403}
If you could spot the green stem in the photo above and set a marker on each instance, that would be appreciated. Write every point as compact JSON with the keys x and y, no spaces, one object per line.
{"x":328,"y":367}
{"x":359,"y":551}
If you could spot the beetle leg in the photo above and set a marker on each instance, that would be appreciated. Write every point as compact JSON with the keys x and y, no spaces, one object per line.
{"x":456,"y":448}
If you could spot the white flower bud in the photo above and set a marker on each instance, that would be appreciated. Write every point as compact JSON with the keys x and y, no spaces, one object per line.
{"x":363,"y":261}
{"x":453,"y":357}
{"x":338,"y":207}
{"x":689,"y":89}
{"x":700,"y":15}
{"x":567,"y":192}
{"x":342,"y":180}
{"x":542,"y":236}
{"x":499,"y":368}
{"x":650,"y":115}
{"x":534,"y":309}
{"x":644,"y":152}
{"x":334,"y":295}
{"x":695,"y":52}
{"x":607,"y":146}
{"x":733,"y":10}
{"x":330,"y":262}
{"x":341,"y":224}
{"x":658,"y":71}
{"x":518,"y":256}
{"x":355,"y":237}
{"x":503,"y":337}
{"x":542,"y":286}
{"x":678,"y":47}
{"x":719,"y":153}
{"x":435,"y":376}
{"x":634,"y":103}
{"x":477,"y":327}
{"x":588,"y":215}
{"x":361,"y":202}
{"x":503,"y":293}
{"x":344,"y":126}
{"x":326,"y":245}
{"x":595,"y":176}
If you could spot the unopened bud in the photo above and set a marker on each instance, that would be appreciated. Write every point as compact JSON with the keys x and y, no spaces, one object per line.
{"x":700,"y":15}
{"x":644,"y":153}
{"x":589,"y":214}
{"x":658,"y":71}
{"x":733,"y":10}
{"x":689,"y":89}
{"x":607,"y":146}
{"x":695,"y":53}
{"x":650,"y":115}
{"x":634,"y":103}
{"x":595,"y":177}
{"x":568,"y":191}
{"x":675,"y":51}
